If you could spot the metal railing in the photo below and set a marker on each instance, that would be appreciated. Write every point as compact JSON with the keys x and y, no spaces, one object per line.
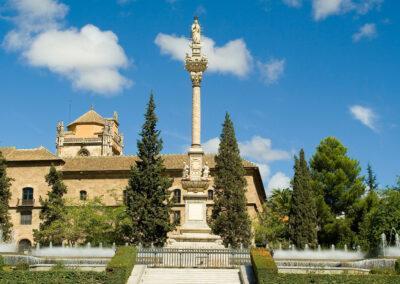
{"x":26,"y":202}
{"x":193,"y":258}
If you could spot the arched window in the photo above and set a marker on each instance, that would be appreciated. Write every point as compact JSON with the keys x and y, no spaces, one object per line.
{"x":24,"y":245}
{"x":27,"y":196}
{"x":83,"y":195}
{"x":177,"y":195}
{"x":210,"y":194}
{"x":84,"y":152}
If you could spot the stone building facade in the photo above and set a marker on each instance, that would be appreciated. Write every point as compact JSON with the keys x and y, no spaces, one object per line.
{"x":90,"y":156}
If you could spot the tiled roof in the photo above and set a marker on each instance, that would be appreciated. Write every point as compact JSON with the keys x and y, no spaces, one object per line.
{"x":116,"y":163}
{"x":90,"y":117}
{"x":35,"y":154}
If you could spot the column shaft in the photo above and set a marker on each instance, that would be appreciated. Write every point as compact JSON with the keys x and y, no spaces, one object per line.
{"x":196,"y":116}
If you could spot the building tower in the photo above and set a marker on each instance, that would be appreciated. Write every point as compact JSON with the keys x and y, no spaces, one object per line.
{"x":195,"y":180}
{"x":90,"y":135}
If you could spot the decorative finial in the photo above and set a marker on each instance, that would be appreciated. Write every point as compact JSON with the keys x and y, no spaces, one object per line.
{"x":91,"y":107}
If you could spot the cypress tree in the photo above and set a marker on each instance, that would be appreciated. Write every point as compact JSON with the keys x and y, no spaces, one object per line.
{"x":229,"y":217}
{"x":303,"y":212}
{"x":371,"y":179}
{"x":148,"y":203}
{"x":5,"y":195}
{"x":53,"y":208}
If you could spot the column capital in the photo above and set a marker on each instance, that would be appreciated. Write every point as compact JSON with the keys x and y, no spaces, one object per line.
{"x":196,"y":78}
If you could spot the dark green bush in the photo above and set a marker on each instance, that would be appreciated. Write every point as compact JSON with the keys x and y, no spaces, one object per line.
{"x":120,"y":267}
{"x":22,"y":266}
{"x":263,"y":264}
{"x":53,"y":277}
{"x":397,"y":266}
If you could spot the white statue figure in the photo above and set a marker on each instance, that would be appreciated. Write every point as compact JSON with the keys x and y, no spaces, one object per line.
{"x":185,"y":170}
{"x":206,"y":171}
{"x":196,"y":31}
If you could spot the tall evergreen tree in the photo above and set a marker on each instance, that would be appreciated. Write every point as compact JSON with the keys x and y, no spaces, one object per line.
{"x":337,"y":186}
{"x":303,"y":212}
{"x":5,"y":195}
{"x":148,"y":202}
{"x":371,"y":179}
{"x":229,"y":217}
{"x":53,"y":209}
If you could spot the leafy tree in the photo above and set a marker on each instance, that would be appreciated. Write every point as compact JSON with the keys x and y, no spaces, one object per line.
{"x":53,"y":209}
{"x":337,"y":185}
{"x":89,"y":221}
{"x":148,"y":204}
{"x":303,"y":212}
{"x":230,"y":219}
{"x":384,"y":218}
{"x":272,"y":226}
{"x":5,"y":195}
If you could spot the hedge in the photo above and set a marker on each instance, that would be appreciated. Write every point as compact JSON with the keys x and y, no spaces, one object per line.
{"x":53,"y":277}
{"x":331,"y":279}
{"x":264,"y":266}
{"x":397,"y":266}
{"x":120,"y":266}
{"x":117,"y":272}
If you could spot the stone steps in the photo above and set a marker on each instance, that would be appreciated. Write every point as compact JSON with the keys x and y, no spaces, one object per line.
{"x":190,"y":276}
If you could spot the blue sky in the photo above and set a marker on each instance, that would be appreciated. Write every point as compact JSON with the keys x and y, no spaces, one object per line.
{"x":289,"y":72}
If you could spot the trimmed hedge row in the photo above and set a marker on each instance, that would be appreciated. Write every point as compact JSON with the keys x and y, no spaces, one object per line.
{"x":266,"y":271}
{"x":397,"y":266}
{"x":120,"y":266}
{"x":331,"y":279}
{"x":263,"y":264}
{"x":54,"y":277}
{"x":117,"y":272}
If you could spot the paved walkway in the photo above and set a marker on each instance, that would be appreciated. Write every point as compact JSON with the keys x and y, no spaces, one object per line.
{"x":185,"y":276}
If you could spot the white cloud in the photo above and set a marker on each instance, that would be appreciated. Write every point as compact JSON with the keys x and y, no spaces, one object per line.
{"x":90,"y":58}
{"x":278,"y":181}
{"x":365,"y":115}
{"x":293,"y":3}
{"x":211,"y":146}
{"x":367,"y":31}
{"x":265,"y":170}
{"x":260,"y":149}
{"x":272,"y":71}
{"x":233,"y":57}
{"x":325,"y":8}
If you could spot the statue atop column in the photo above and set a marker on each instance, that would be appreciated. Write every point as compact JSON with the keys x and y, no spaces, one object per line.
{"x":196,"y":31}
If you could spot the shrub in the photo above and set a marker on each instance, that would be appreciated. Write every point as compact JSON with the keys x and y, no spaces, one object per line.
{"x":397,"y":266}
{"x":58,"y":266}
{"x":54,"y":277}
{"x":263,"y":264}
{"x":120,"y":266}
{"x":22,"y":266}
{"x":383,"y":271}
{"x":2,"y":263}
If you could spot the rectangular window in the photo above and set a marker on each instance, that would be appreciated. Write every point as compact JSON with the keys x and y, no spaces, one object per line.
{"x":177,"y":217}
{"x":26,"y":218}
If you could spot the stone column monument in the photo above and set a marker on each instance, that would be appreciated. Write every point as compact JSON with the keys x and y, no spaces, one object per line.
{"x":195,"y":231}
